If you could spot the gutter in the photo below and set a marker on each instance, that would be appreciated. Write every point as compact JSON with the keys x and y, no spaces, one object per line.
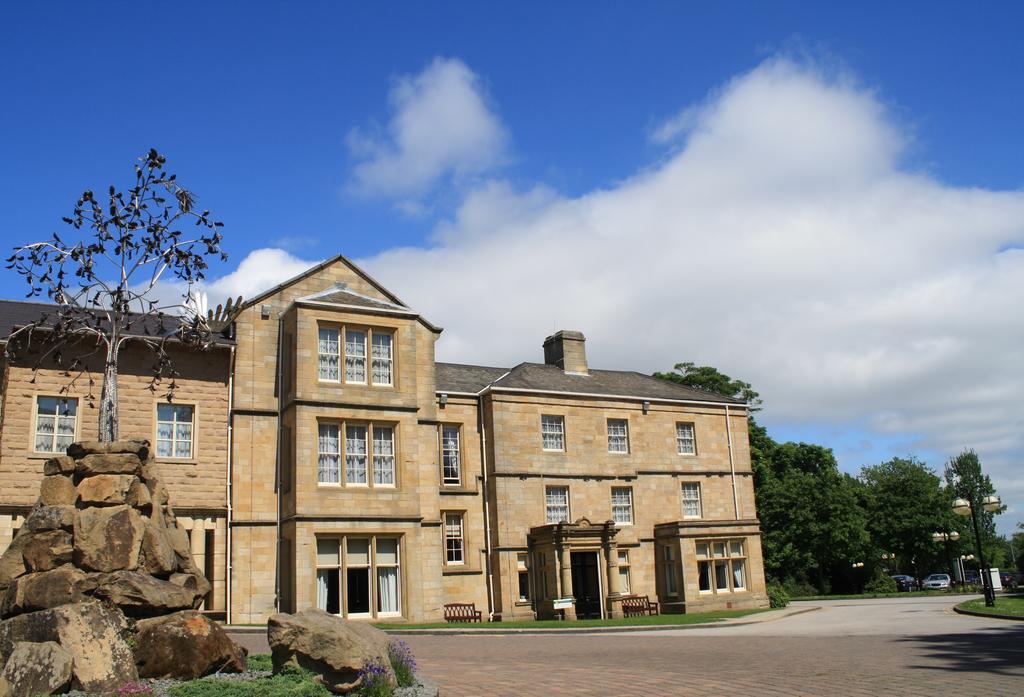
{"x":489,"y":388}
{"x":277,"y":465}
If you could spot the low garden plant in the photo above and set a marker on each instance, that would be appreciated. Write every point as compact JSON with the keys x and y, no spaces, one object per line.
{"x":777,"y":595}
{"x":403,"y":663}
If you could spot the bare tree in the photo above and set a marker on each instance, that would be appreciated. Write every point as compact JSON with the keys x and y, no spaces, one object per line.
{"x":104,"y":287}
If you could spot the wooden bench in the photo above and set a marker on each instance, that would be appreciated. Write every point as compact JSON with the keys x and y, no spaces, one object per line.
{"x":462,"y":612}
{"x":633,"y":605}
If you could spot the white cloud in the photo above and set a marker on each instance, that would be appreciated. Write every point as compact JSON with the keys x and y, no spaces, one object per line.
{"x":782,"y":241}
{"x":441,"y":126}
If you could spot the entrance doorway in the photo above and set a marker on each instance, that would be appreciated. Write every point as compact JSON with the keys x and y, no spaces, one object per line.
{"x":586,"y":587}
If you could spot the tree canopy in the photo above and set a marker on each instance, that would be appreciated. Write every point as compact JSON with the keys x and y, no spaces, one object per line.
{"x":712,"y":380}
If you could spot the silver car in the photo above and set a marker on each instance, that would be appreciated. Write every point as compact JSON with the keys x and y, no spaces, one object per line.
{"x":936,"y":582}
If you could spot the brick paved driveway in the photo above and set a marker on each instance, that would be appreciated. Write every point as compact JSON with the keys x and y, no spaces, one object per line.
{"x":906,"y":647}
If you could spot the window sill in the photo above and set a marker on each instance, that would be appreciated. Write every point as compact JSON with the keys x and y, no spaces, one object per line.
{"x":457,"y":490}
{"x":460,"y":571}
{"x":176,"y":461}
{"x":523,"y":603}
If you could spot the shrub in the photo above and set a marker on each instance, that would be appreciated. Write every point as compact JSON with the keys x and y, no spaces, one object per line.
{"x":259,"y":661}
{"x":800,"y":589}
{"x":777,"y":595}
{"x":376,"y":682}
{"x":403,"y":663}
{"x":288,"y":683}
{"x":880,"y":583}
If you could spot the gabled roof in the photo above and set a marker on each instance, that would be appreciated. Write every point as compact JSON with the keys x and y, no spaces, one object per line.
{"x":540,"y":377}
{"x":457,"y":377}
{"x":319,"y":267}
{"x":341,"y":294}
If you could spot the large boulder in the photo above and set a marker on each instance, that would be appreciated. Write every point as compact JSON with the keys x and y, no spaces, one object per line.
{"x":46,"y":589}
{"x":57,"y":490}
{"x":62,"y":464}
{"x":82,"y":449}
{"x":94,"y":635}
{"x":42,"y":668}
{"x":12,"y":561}
{"x":108,"y":539}
{"x":117,"y":464}
{"x":335,"y":649}
{"x":185,"y":645}
{"x":47,"y":550}
{"x":156,"y":556}
{"x":43,"y":518}
{"x":105,"y":489}
{"x":141,"y":595}
{"x":194,"y":583}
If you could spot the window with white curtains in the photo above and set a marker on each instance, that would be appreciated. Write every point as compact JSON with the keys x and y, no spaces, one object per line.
{"x":174,"y":426}
{"x":56,"y":419}
{"x":329,"y":455}
{"x":388,"y":586}
{"x":618,"y":436}
{"x":355,"y":356}
{"x":454,"y":542}
{"x":381,"y":358}
{"x":383,"y":456}
{"x":691,"y":500}
{"x":352,"y":571}
{"x":355,"y":455}
{"x":330,"y":354}
{"x":686,"y":442}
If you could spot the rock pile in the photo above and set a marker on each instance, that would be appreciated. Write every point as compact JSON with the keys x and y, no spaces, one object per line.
{"x":100,"y":553}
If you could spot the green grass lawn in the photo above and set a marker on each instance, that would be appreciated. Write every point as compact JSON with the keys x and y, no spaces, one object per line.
{"x":1011,"y":605}
{"x":862,"y":596}
{"x":698,"y":618}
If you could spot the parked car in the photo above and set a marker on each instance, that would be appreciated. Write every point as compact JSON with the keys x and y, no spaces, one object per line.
{"x":937,"y":582}
{"x":973,"y":577}
{"x":1009,"y":579}
{"x":904,"y":583}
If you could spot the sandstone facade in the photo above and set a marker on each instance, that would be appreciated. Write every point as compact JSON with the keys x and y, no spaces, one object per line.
{"x":275,"y":512}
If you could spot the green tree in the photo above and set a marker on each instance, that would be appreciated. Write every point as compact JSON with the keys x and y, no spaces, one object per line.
{"x":813,"y":528}
{"x":966,"y":480}
{"x":712,"y":380}
{"x":906,"y":504}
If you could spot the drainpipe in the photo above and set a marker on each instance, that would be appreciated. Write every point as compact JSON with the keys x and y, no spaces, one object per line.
{"x":487,"y":508}
{"x":277,"y":465}
{"x":231,"y":421}
{"x":732,"y":464}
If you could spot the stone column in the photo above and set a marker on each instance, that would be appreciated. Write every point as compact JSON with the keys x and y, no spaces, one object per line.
{"x":611,"y":554}
{"x":198,"y":540}
{"x":565,"y":579}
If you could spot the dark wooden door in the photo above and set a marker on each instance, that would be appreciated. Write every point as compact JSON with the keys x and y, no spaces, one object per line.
{"x":585,"y":585}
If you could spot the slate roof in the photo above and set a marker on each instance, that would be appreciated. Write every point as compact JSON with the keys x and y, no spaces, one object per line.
{"x":452,"y":377}
{"x":456,"y":377}
{"x":17,"y":313}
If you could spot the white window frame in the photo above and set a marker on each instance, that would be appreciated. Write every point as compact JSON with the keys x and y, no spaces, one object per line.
{"x":686,"y":444}
{"x":699,"y":498}
{"x":454,"y":538}
{"x":523,"y":571}
{"x":61,"y":405}
{"x":618,"y":443}
{"x":552,"y":426}
{"x":619,"y":506}
{"x":357,"y":360}
{"x":327,"y":456}
{"x":174,"y":440}
{"x":328,"y":349}
{"x":377,"y":566}
{"x":384,"y":457}
{"x":357,"y":450}
{"x":378,"y":360}
{"x":550,"y":504}
{"x":451,"y":455}
{"x":711,"y":554}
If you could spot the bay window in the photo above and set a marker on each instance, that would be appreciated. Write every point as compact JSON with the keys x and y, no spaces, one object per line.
{"x":721,"y":566}
{"x":347,"y":346}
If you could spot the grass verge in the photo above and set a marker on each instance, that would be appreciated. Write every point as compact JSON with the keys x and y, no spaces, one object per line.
{"x":701,"y":618}
{"x":1007,"y":605}
{"x":866,"y":596}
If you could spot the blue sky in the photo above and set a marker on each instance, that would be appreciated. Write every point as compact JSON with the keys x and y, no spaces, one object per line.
{"x":276,"y":113}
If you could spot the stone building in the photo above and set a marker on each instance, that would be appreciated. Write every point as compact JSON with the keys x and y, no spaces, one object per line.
{"x":320,"y":456}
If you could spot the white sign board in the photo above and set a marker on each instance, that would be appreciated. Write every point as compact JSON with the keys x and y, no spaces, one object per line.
{"x":997,"y":583}
{"x":563,"y":603}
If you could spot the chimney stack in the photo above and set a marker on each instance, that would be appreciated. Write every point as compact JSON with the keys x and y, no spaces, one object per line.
{"x":567,"y":349}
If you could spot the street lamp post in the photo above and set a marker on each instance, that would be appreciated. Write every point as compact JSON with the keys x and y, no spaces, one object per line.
{"x":856,"y":574}
{"x":947,"y":537}
{"x":963,"y":507}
